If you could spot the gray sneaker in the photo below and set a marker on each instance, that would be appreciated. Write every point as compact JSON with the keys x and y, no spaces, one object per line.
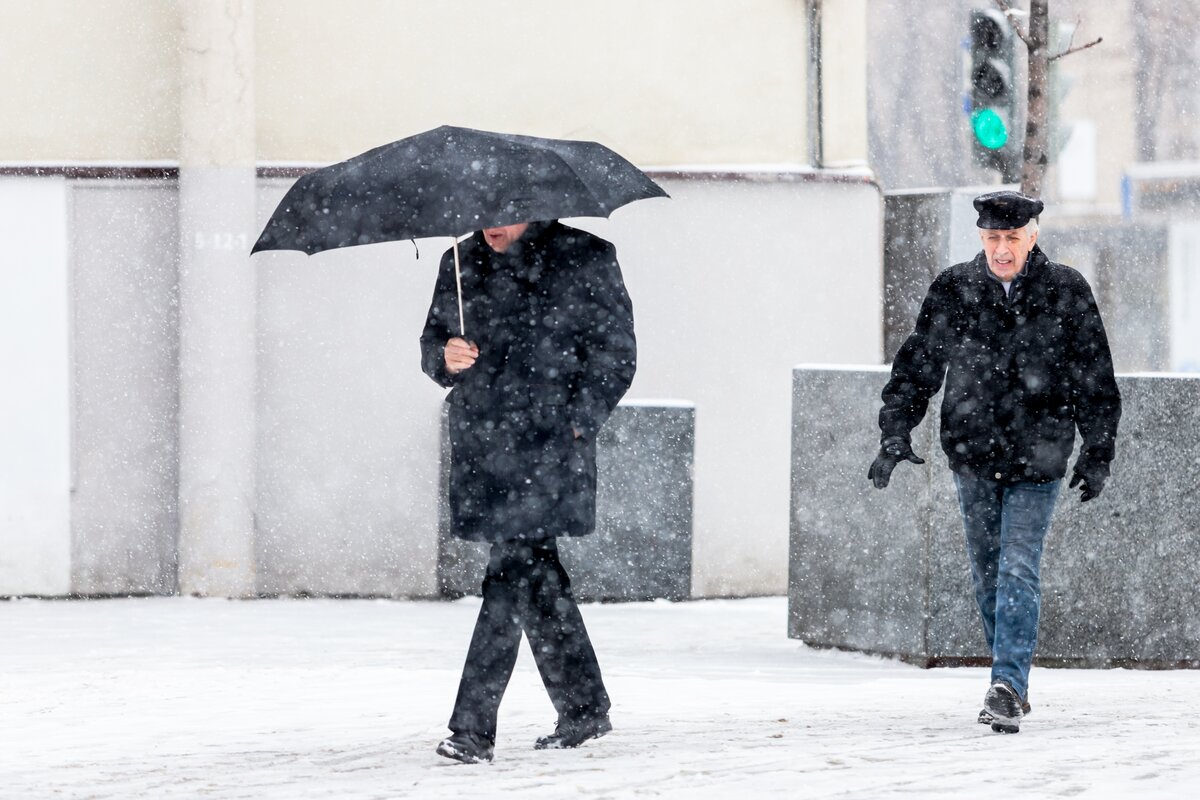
{"x":985,"y":717}
{"x":1005,"y":706}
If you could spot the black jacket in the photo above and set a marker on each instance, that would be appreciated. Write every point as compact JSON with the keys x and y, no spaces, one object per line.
{"x":1021,"y":372}
{"x":554,"y":327}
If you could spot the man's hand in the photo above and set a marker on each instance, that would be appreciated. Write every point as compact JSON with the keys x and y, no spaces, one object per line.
{"x":1091,"y":475}
{"x":891,"y":452}
{"x":459,"y":355}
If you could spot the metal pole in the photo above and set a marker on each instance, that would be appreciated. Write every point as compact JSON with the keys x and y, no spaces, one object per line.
{"x":816,"y":111}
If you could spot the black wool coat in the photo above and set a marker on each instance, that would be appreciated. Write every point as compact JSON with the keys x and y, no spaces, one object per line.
{"x":1021,"y":372}
{"x":554,"y":327}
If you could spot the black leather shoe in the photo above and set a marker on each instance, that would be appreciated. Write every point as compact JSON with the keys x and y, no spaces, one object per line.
{"x":466,"y":747}
{"x":574,"y":733}
{"x":1005,"y":707}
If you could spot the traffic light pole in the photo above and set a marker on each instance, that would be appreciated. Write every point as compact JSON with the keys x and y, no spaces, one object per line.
{"x":1037,"y":115}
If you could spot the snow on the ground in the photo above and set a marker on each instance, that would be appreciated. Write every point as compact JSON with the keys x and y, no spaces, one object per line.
{"x":180,"y":697}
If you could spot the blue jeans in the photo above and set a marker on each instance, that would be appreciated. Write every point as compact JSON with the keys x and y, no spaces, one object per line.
{"x":1006,"y":525}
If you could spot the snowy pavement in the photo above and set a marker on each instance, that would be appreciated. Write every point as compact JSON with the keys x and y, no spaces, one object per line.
{"x":181,"y":698}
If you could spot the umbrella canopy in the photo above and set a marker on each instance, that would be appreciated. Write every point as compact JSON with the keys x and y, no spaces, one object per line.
{"x":447,"y":182}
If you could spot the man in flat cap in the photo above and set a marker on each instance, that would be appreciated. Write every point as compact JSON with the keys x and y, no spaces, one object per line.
{"x":1019,"y":343}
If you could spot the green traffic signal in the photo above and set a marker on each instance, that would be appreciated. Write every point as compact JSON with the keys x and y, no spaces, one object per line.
{"x":989,"y":128}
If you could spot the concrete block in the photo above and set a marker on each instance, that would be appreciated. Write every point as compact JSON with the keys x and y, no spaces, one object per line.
{"x":886,"y":571}
{"x":642,"y":547}
{"x":857,"y":575}
{"x":1119,"y":574}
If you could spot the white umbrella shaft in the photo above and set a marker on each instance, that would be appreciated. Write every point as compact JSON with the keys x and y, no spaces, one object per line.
{"x":462,"y":324}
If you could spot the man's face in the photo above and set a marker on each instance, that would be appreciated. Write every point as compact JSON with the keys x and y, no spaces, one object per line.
{"x":1006,"y":250}
{"x":500,"y":239}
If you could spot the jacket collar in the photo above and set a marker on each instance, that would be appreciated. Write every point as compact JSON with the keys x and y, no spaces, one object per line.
{"x":1034,"y":263}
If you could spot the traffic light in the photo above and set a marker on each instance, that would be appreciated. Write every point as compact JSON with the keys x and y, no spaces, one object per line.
{"x":992,"y":93}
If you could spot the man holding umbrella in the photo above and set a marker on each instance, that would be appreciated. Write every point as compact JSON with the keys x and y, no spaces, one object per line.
{"x":532,"y":330}
{"x":550,"y":350}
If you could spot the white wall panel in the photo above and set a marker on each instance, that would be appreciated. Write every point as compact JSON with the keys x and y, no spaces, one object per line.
{"x":35,"y":475}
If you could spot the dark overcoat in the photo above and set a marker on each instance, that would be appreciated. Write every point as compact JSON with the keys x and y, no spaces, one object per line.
{"x":554,"y":327}
{"x":1021,"y":372}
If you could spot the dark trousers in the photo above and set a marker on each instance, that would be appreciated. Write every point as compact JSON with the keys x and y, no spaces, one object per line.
{"x":527,"y":589}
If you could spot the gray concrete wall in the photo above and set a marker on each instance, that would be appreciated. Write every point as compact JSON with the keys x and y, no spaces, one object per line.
{"x":642,"y":547}
{"x":916,"y":246}
{"x":886,"y":571}
{"x":125,"y":393}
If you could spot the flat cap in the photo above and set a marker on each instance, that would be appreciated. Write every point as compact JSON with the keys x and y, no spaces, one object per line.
{"x":1006,"y":210}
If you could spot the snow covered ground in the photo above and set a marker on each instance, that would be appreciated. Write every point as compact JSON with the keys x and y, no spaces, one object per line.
{"x":179,"y":697}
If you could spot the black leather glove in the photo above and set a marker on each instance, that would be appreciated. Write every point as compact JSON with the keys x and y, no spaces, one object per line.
{"x":1090,"y":477}
{"x":892,"y":451}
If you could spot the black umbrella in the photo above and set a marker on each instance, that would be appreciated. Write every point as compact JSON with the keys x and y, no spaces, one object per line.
{"x":447,"y":182}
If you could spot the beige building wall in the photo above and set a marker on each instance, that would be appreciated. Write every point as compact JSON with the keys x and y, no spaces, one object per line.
{"x":663,"y":82}
{"x":844,"y":75}
{"x":670,"y":83}
{"x":89,"y":80}
{"x":1101,"y":93}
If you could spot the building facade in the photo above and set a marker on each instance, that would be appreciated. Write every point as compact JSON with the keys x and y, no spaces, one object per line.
{"x":167,"y":379}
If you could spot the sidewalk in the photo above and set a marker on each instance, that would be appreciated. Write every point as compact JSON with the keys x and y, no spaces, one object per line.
{"x":179,"y":697}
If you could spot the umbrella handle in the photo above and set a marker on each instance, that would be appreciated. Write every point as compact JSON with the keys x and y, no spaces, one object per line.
{"x":462,"y":325}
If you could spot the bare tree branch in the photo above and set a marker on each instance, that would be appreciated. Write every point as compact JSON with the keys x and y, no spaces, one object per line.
{"x":1074,"y":29}
{"x":1008,"y":12}
{"x":1070,"y":50}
